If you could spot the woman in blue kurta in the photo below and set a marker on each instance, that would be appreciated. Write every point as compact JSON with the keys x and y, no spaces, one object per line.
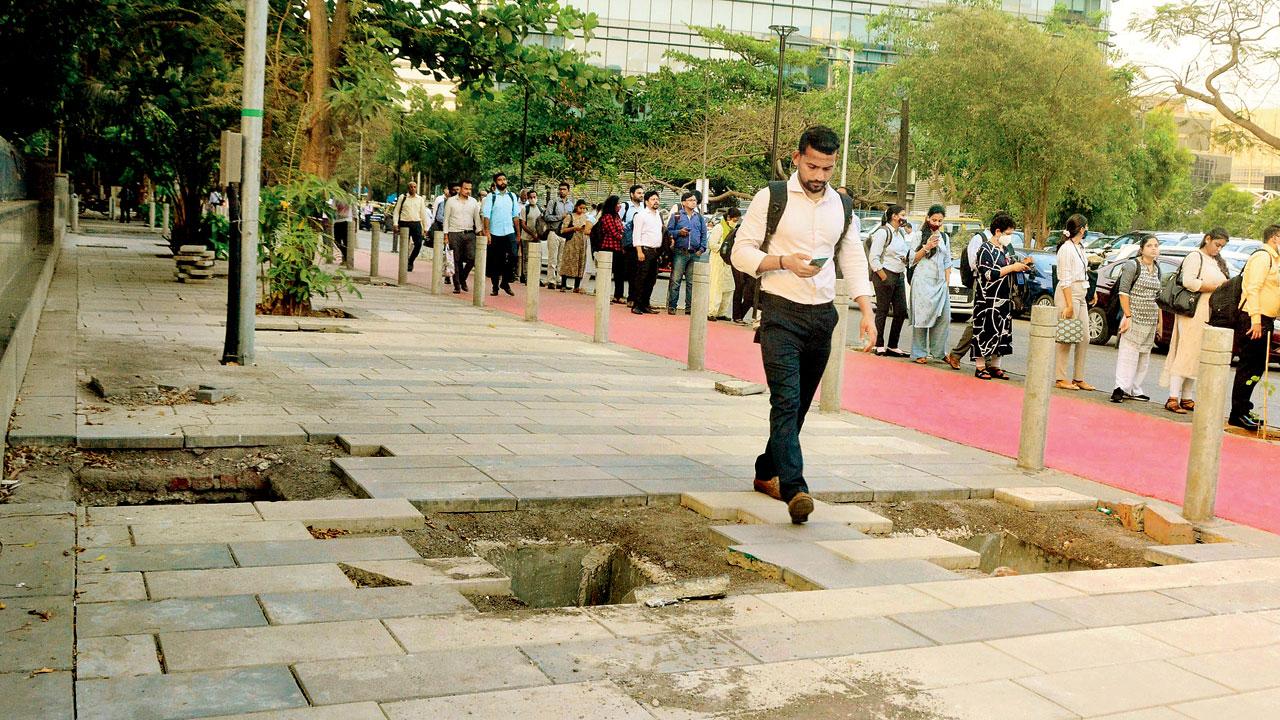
{"x":930,"y":260}
{"x":992,"y":305}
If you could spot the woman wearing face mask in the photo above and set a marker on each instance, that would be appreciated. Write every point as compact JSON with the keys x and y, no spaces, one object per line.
{"x":930,"y":260}
{"x":1070,"y":299}
{"x":887,"y":258}
{"x":992,"y":306}
{"x":1137,"y":288}
{"x":1203,"y":271}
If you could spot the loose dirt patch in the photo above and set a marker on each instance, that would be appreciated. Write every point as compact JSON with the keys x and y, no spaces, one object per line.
{"x":1086,"y":537}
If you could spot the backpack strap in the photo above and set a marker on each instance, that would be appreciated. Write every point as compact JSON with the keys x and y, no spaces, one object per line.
{"x":777,"y":206}
{"x":847,"y":202}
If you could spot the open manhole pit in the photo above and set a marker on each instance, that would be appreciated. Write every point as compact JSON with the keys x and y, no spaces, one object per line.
{"x":574,"y":574}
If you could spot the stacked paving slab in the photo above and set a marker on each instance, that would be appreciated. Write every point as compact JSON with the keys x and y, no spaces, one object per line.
{"x":194,"y":264}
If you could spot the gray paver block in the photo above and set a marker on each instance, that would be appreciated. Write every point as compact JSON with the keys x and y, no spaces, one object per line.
{"x":487,"y":496}
{"x":155,"y":557}
{"x":597,"y":699}
{"x":936,"y":550}
{"x":1097,"y":691}
{"x":808,"y":566}
{"x":211,"y":436}
{"x":1260,"y":705}
{"x":753,"y":507}
{"x":144,"y":514}
{"x":1045,"y":499}
{"x":1122,"y":609}
{"x":348,"y":465}
{"x":429,"y":634}
{"x":770,"y":534}
{"x":739,"y":387}
{"x":187,"y":695}
{"x":217,"y":532}
{"x":240,"y":581}
{"x":110,"y":587}
{"x":839,"y":490}
{"x":467,"y":575}
{"x":100,"y":536}
{"x":574,"y":492}
{"x":985,"y":623}
{"x":351,"y":515}
{"x":662,"y":653}
{"x":31,"y":642}
{"x":1233,"y":598}
{"x":104,"y":657}
{"x":364,"y":603}
{"x":47,"y":696}
{"x":345,"y":711}
{"x":310,"y":552}
{"x":329,"y":432}
{"x":824,"y":638}
{"x":1205,"y":552}
{"x":402,"y":677}
{"x":126,"y":437}
{"x":892,"y":489}
{"x":277,"y":644}
{"x":135,"y":617}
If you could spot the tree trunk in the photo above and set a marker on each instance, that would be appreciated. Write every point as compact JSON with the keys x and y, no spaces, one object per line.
{"x":1038,"y":220}
{"x":320,"y":151}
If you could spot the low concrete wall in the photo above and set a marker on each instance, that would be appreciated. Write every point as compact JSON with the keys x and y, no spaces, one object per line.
{"x":28,"y":257}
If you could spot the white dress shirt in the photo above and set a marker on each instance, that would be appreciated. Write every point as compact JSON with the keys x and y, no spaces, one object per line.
{"x":646,"y":229}
{"x":412,"y":208}
{"x":462,"y":215}
{"x":889,"y":248}
{"x":1072,"y":269}
{"x":807,"y":227}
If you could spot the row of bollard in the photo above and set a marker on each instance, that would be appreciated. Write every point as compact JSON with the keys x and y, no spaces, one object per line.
{"x":1205,"y":452}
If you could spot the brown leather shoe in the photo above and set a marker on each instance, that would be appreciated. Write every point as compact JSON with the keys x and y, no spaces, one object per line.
{"x":1172,"y":406}
{"x":1188,"y":405}
{"x":953,"y":361}
{"x":800,"y":507}
{"x":1065,"y":385}
{"x":1084,"y":385}
{"x":769,"y":487}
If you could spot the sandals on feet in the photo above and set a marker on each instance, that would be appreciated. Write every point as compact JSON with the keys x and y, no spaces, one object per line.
{"x":998,"y":374}
{"x":1172,"y":406}
{"x":982,"y":374}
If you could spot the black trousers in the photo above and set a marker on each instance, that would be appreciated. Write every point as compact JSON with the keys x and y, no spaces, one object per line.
{"x":621,"y":271}
{"x":463,"y":245}
{"x":501,"y":263}
{"x":744,"y":294}
{"x":646,"y":276}
{"x":795,"y":342}
{"x":1253,"y":362}
{"x":891,"y":299}
{"x":415,"y":234}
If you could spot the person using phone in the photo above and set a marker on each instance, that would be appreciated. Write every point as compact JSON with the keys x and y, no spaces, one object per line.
{"x":993,"y":303}
{"x":888,"y":260}
{"x":931,"y":263}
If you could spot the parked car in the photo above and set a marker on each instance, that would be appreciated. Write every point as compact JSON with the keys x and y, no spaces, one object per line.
{"x":1126,"y":246}
{"x":1243,"y":246}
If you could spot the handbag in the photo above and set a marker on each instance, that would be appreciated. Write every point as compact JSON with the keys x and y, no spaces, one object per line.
{"x":1070,"y":331}
{"x":1174,"y":297}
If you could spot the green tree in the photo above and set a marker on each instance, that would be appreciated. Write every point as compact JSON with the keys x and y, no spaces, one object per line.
{"x":1268,"y":214}
{"x":1229,"y":208}
{"x":1009,"y":112}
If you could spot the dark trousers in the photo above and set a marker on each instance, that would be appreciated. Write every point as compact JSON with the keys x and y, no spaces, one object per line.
{"x":961,"y":349}
{"x":795,"y":341}
{"x":621,"y":271}
{"x":501,"y":262}
{"x":463,"y":245}
{"x":343,"y":239}
{"x":891,"y":299}
{"x":744,"y":294}
{"x":1253,"y":362}
{"x":646,"y":276}
{"x":415,"y":235}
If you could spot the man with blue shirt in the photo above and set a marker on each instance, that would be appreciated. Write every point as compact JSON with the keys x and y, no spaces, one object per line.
{"x":500,"y":210}
{"x":688,"y":228}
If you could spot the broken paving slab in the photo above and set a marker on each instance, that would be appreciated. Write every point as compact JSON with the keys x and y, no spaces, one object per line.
{"x":467,"y":575}
{"x":360,"y":515}
{"x":1205,"y":552}
{"x":486,"y":496}
{"x":211,"y":532}
{"x":670,"y":593}
{"x":187,"y":695}
{"x":809,"y":566}
{"x":1045,"y":499}
{"x":944,"y":554}
{"x":108,"y":386}
{"x":739,"y":388}
{"x":754,"y":507}
{"x":134,"y":514}
{"x":312,"y":552}
{"x":372,"y":603}
{"x":768,"y":534}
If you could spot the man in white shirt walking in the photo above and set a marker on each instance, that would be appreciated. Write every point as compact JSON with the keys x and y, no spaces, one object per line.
{"x":413,"y":213}
{"x":462,"y":222}
{"x":646,"y":239}
{"x":797,"y":272}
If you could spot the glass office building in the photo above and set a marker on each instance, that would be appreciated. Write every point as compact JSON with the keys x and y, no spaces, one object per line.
{"x":634,"y":34}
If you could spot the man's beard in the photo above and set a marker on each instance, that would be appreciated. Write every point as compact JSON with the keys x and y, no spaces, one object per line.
{"x":814,"y":185}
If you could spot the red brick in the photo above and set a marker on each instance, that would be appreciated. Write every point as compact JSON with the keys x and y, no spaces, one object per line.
{"x":1166,"y":527}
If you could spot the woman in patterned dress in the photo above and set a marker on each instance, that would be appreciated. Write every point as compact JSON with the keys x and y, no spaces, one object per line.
{"x":573,"y":259}
{"x":1137,"y":288}
{"x":992,"y":306}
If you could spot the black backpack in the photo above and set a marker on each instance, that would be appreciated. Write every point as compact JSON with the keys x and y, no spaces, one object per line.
{"x":597,"y":235}
{"x":966,"y":268}
{"x":777,"y":206}
{"x":1225,"y":303}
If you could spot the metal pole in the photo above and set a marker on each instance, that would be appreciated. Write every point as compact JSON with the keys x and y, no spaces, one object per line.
{"x":904,"y":134}
{"x":255,"y":55}
{"x":848,"y":111}
{"x":1204,"y":455}
{"x":481,"y":267}
{"x":833,"y":376}
{"x":1038,"y":387}
{"x":698,"y":315}
{"x":604,"y":279}
{"x":524,"y":135}
{"x":783,"y":31}
{"x":534,"y":270}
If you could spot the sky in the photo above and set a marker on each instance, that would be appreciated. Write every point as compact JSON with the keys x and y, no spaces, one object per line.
{"x":1139,"y":51}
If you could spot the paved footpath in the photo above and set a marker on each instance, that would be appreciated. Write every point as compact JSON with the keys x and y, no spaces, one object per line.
{"x":235,"y":610}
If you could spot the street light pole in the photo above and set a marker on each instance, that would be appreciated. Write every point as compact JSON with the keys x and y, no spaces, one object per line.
{"x":524,"y":135}
{"x":848,"y":110}
{"x":255,"y":56}
{"x":782,"y":31}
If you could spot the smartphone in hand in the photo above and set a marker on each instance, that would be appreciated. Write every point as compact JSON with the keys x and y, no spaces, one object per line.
{"x":818,"y":262}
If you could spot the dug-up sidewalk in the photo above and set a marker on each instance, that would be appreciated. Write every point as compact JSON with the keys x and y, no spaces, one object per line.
{"x":264,"y":610}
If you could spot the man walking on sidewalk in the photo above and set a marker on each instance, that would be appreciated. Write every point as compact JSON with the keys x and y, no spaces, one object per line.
{"x":557,"y":210}
{"x":411,"y":212}
{"x":461,"y":223}
{"x":1260,"y":291}
{"x":792,"y":238}
{"x":500,"y":210}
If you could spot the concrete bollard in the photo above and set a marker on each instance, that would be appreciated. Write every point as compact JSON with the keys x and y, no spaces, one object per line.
{"x":1038,"y":387}
{"x":1214,"y":387}
{"x":533,"y":268}
{"x":111,"y":208}
{"x":604,"y":293}
{"x":375,"y":239}
{"x":405,"y":246}
{"x":437,"y":262}
{"x":75,"y":213}
{"x":833,"y":376}
{"x":349,"y":252}
{"x":698,"y":315}
{"x":482,"y":264}
{"x":164,"y":217}
{"x":151,"y":215}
